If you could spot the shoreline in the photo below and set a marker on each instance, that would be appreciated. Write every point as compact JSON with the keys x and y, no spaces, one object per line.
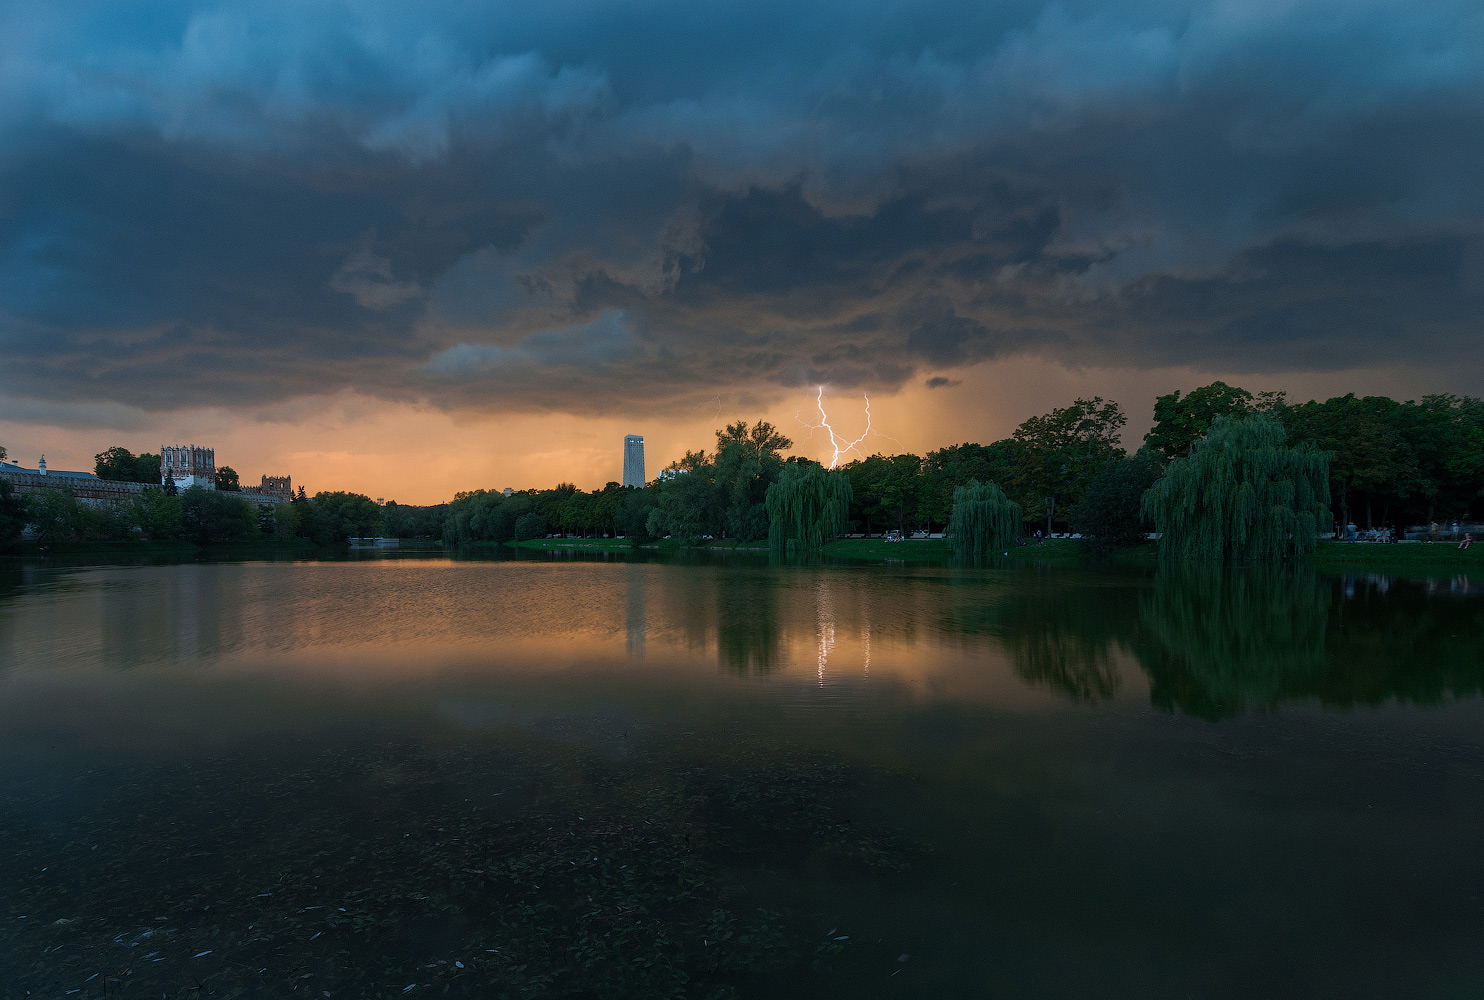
{"x":1059,"y":552}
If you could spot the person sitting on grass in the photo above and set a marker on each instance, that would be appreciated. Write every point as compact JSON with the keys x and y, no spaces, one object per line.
{"x":1467,"y":541}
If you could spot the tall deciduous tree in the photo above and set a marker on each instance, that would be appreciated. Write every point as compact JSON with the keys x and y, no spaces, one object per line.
{"x":337,"y":516}
{"x":208,"y":516}
{"x":1110,"y":511}
{"x":1243,"y":495}
{"x":1180,"y":421}
{"x":1059,"y":452}
{"x":983,"y":519}
{"x":121,"y":465}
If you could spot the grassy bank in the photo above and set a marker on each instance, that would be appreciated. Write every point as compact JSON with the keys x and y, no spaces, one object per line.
{"x":590,"y":544}
{"x":1052,"y":552}
{"x":1413,"y":555}
{"x":876,"y":549}
{"x":624,"y":545}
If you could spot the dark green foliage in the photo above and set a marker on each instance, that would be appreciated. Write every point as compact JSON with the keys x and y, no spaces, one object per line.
{"x":1241,"y":496}
{"x":690,"y":505}
{"x":121,"y":465}
{"x":404,"y":521}
{"x":983,"y":520}
{"x":1411,"y":462}
{"x":169,"y":487}
{"x":807,"y":506}
{"x":888,"y":492}
{"x":1180,"y":422}
{"x":632,"y":519}
{"x":226,"y":480}
{"x":748,"y":462}
{"x":946,"y":469}
{"x":12,"y":510}
{"x":337,"y":516}
{"x":1110,"y":511}
{"x":157,"y":515}
{"x":1057,"y":454}
{"x":58,"y":516}
{"x":54,"y":514}
{"x":720,"y":495}
{"x":207,"y":516}
{"x":528,"y":526}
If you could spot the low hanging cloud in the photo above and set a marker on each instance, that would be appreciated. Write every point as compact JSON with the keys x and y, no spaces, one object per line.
{"x":574,"y":206}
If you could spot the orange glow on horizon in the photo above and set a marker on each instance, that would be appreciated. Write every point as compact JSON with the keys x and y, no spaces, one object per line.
{"x":421,"y":455}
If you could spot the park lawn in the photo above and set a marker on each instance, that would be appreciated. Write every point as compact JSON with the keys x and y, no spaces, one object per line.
{"x":1052,"y":552}
{"x":875,"y":549}
{"x":604,"y":544}
{"x":1405,"y":555}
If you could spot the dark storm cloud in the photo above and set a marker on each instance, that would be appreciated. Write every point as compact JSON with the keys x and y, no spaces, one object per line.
{"x":573,"y":205}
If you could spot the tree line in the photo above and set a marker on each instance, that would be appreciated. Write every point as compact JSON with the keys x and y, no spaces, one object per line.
{"x":1371,"y":460}
{"x":196,"y":514}
{"x":1389,"y":462}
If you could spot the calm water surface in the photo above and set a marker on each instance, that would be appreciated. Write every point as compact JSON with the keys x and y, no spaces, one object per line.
{"x":536,"y":778}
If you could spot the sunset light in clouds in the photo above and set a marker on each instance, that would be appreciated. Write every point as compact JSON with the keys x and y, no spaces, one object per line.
{"x":410,"y":251}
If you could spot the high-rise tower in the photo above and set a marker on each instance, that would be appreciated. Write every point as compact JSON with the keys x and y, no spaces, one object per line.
{"x":633,"y":460}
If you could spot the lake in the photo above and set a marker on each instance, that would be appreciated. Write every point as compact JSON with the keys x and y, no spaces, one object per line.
{"x":411,"y":775}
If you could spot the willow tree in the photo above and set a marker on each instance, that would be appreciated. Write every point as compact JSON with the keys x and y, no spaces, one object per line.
{"x":983,"y":519}
{"x":807,"y":506}
{"x":1242,"y":495}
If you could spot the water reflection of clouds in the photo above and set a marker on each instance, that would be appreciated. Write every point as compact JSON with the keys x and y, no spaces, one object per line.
{"x":1208,"y":644}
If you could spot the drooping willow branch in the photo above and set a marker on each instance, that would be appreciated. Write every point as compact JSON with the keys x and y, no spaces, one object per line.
{"x":807,"y":506}
{"x":1241,"y":496}
{"x":983,"y":519}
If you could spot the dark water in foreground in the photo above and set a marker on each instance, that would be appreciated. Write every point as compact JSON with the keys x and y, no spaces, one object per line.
{"x":417,"y":777}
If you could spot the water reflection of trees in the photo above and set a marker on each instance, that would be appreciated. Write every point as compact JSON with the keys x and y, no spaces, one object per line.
{"x":1064,"y":637}
{"x":749,"y":637}
{"x":1214,"y":643}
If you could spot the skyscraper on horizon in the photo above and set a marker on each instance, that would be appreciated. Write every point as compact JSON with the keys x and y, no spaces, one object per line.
{"x":633,"y":460}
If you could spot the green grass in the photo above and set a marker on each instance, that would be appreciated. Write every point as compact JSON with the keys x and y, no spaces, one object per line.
{"x":873,"y":549}
{"x":1052,"y":552}
{"x":1416,"y":555}
{"x":624,"y":545}
{"x":604,"y":544}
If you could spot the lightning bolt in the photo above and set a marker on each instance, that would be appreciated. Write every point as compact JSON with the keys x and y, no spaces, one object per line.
{"x":838,"y":444}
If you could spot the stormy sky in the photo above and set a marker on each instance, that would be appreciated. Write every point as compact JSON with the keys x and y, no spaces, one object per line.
{"x":308,"y":218}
